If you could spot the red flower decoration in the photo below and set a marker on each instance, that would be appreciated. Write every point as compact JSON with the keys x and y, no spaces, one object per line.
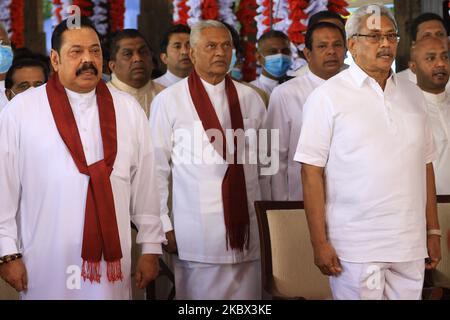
{"x":17,"y":14}
{"x":183,"y":10}
{"x":117,"y":14}
{"x":246,"y":15}
{"x":210,"y":10}
{"x":296,"y":29}
{"x":86,"y":7}
{"x":338,"y":6}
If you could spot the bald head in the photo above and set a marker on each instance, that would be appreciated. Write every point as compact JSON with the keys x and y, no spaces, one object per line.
{"x":429,"y":61}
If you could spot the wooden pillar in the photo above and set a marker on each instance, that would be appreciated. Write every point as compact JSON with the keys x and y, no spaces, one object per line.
{"x":154,"y":20}
{"x":34,"y":28}
{"x":405,"y":12}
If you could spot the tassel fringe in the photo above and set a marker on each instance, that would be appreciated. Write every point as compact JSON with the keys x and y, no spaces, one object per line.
{"x":91,"y":271}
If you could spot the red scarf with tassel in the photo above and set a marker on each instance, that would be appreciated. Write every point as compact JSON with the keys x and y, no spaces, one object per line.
{"x":234,"y":192}
{"x":101,"y":234}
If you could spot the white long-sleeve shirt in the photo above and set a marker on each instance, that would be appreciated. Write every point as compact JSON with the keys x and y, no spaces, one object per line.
{"x":198,"y":170}
{"x":43,"y":195}
{"x":285,"y":115}
{"x":438,"y":107}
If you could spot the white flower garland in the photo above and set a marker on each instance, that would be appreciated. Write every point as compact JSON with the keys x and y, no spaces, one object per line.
{"x":5,"y":15}
{"x":226,"y":13}
{"x":100,"y":16}
{"x":314,"y":7}
{"x":176,"y":15}
{"x":260,"y":17}
{"x":195,"y":12}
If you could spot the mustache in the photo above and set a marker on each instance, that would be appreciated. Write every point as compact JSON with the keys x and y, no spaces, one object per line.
{"x":385,"y":52}
{"x":87,"y":66}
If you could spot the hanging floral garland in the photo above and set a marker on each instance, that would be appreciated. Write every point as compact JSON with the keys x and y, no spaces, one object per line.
{"x":338,"y":6}
{"x":246,"y":14}
{"x":263,"y":19}
{"x":12,"y":17}
{"x":226,"y":13}
{"x":281,"y":21}
{"x":100,"y":16}
{"x":57,"y":11}
{"x":180,"y":12}
{"x":298,"y":17}
{"x":195,"y":11}
{"x":210,"y":10}
{"x":117,"y":14}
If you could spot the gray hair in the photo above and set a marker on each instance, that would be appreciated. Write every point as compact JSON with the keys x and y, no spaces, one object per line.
{"x":354,"y":23}
{"x":197,"y":28}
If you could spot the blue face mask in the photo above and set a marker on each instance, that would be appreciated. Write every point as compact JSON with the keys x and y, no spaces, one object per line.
{"x":6,"y":58}
{"x":277,"y":65}
{"x":236,"y":74}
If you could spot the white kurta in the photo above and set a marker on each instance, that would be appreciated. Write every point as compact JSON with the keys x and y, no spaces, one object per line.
{"x":411,"y":76}
{"x":438,"y":106}
{"x":285,"y":115}
{"x":167,"y":79}
{"x":265,"y":83}
{"x":43,"y":198}
{"x":374,"y":146}
{"x":183,"y":149}
{"x":3,"y":99}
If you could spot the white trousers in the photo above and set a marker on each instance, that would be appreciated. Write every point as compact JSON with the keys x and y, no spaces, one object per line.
{"x":204,"y":281}
{"x":379,"y":281}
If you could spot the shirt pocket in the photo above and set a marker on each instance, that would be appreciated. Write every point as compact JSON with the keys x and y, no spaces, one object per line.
{"x":211,"y":197}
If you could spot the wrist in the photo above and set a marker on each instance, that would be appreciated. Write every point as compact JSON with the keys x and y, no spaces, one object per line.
{"x":10,"y":257}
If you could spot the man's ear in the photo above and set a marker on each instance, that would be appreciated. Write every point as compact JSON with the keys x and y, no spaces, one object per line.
{"x":9,"y":94}
{"x":351,"y":46}
{"x":55,"y":60}
{"x":307,"y":53}
{"x":260,"y":58}
{"x":164,"y":58}
{"x":413,"y":66}
{"x":112,"y":65}
{"x":192,"y":54}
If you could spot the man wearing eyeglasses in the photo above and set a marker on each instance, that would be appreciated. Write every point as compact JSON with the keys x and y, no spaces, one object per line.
{"x":23,"y":75}
{"x":366,"y":150}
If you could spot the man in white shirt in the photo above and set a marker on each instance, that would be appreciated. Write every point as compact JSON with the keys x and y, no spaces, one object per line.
{"x":23,"y":75}
{"x":6,"y":58}
{"x":175,"y":55}
{"x":274,"y":57}
{"x":76,"y":164}
{"x":322,"y":16}
{"x":212,"y":199}
{"x":367,"y":171}
{"x":325,"y":52}
{"x":131,"y":65}
{"x":424,"y":26}
{"x":429,"y":62}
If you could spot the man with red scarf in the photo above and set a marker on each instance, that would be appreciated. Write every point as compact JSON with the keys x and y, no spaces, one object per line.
{"x":214,"y":187}
{"x":76,"y":165}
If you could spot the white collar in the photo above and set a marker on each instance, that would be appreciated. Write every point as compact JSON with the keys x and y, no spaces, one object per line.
{"x":360,"y":76}
{"x":438,"y":99}
{"x":171,"y":77}
{"x":267,"y":80}
{"x":314,"y":78}
{"x":213,"y":89}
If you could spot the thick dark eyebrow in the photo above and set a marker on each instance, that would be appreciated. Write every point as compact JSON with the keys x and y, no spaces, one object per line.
{"x":21,"y":83}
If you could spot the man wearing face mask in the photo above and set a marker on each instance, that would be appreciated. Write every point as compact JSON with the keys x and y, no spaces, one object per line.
{"x":274,"y":56}
{"x":6,"y":59}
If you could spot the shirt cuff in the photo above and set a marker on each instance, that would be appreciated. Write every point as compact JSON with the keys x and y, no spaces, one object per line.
{"x":151,"y":248}
{"x":166,"y":223}
{"x":303,"y":158}
{"x":7,"y":246}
